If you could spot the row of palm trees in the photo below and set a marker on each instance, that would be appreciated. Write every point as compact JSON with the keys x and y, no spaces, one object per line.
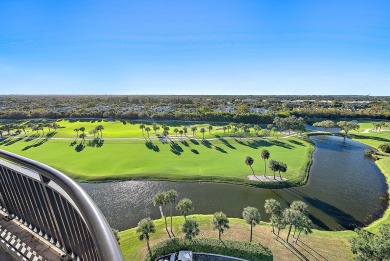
{"x":265,"y":154}
{"x":97,"y":130}
{"x":24,"y":127}
{"x":240,"y":128}
{"x":273,"y":164}
{"x":296,"y":216}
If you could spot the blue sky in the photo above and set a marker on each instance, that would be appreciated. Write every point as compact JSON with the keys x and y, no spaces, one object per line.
{"x":195,"y":47}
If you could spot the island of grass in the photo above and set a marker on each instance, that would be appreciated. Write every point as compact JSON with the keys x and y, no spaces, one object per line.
{"x":124,"y":151}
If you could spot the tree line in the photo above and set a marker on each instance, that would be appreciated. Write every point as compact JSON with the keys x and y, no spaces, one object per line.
{"x":295,"y":216}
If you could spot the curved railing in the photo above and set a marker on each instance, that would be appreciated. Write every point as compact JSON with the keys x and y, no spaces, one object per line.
{"x":56,"y":208}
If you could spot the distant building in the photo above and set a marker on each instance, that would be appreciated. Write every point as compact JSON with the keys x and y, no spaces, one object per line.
{"x":163,"y":109}
{"x":69,"y":108}
{"x":356,"y":102}
{"x":226,"y":109}
{"x":134,"y":108}
{"x":259,"y":110}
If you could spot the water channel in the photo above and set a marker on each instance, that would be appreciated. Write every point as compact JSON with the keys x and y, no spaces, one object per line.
{"x":345,"y":190}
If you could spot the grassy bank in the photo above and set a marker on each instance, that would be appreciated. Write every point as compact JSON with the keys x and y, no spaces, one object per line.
{"x":319,"y":245}
{"x":124,"y":153}
{"x":374,"y":139}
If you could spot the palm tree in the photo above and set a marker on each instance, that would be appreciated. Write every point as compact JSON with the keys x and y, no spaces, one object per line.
{"x":282,"y":168}
{"x":265,"y":155}
{"x":142,"y":127}
{"x":249,"y":161}
{"x":220,"y":222}
{"x":100,"y":129}
{"x":305,"y":224}
{"x":155,"y":128}
{"x":172,"y":196}
{"x":252,"y":217}
{"x":185,"y":207}
{"x":161,"y":200}
{"x":83,"y":136}
{"x":228,"y":128}
{"x":301,"y":207}
{"x":224,"y":129}
{"x":55,"y":126}
{"x":291,"y":218}
{"x":273,"y":207}
{"x":147,"y":129}
{"x":77,"y":132}
{"x":82,"y":129}
{"x":193,"y":129}
{"x":274,"y":166}
{"x":235,"y":130}
{"x":146,"y":227}
{"x":176,"y":130}
{"x":210,"y":128}
{"x":181,"y":134}
{"x":202,"y":130}
{"x":185,"y":130}
{"x":191,"y":229}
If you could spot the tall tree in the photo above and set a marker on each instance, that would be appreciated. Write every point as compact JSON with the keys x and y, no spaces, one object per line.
{"x":305,"y":225}
{"x":249,"y":161}
{"x":194,"y":129}
{"x":282,"y":168}
{"x":82,"y":129}
{"x":301,"y":207}
{"x":252,"y":217}
{"x":273,"y":207}
{"x":77,"y":132}
{"x":185,"y":130}
{"x":190,"y":229}
{"x":147,"y":129}
{"x":185,"y":207}
{"x":161,"y":200}
{"x":274,"y":166}
{"x":100,"y":129}
{"x":172,"y":196}
{"x":176,"y":130}
{"x":146,"y":227}
{"x":210,"y":128}
{"x":202,"y":130}
{"x":142,"y":127}
{"x":220,"y":222}
{"x":291,"y":218}
{"x":155,"y":128}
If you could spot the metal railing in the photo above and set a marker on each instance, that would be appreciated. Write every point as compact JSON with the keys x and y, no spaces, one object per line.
{"x":55,"y":208}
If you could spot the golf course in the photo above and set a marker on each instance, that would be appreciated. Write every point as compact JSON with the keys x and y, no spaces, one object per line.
{"x":124,"y":151}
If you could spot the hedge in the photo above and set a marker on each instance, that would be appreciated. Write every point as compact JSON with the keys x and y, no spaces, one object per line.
{"x":245,"y":250}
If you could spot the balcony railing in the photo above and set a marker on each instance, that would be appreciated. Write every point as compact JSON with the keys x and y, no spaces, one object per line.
{"x":55,"y":208}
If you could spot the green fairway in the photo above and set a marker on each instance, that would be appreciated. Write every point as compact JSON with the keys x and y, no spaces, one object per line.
{"x":125,"y":153}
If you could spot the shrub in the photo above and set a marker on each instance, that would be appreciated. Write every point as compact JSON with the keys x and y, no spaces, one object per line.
{"x":245,"y":250}
{"x":385,"y":147}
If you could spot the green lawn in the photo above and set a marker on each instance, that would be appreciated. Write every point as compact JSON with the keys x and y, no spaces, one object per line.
{"x":118,"y":157}
{"x":331,"y":245}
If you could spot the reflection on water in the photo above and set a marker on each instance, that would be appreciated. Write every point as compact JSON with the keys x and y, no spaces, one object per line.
{"x":343,"y":191}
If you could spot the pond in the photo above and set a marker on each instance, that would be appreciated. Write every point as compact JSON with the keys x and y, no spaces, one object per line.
{"x":345,"y":190}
